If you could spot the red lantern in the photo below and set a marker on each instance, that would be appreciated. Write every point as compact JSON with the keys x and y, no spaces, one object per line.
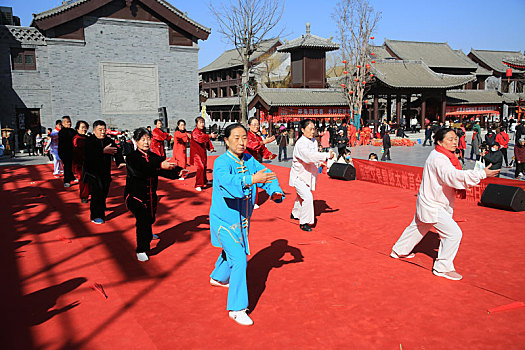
{"x":366,"y":101}
{"x":344,"y":61}
{"x":356,"y":80}
{"x":343,"y":85}
{"x":364,"y":82}
{"x":345,"y":72}
{"x":371,"y":75}
{"x":371,"y":38}
{"x":351,"y":91}
{"x":508,"y":73}
{"x":373,"y":61}
{"x":358,"y":66}
{"x":367,"y":66}
{"x":372,"y":53}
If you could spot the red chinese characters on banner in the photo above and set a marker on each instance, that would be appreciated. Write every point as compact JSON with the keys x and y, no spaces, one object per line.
{"x":409,"y":177}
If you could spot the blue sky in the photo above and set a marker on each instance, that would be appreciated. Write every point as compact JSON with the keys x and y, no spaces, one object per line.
{"x":464,"y":24}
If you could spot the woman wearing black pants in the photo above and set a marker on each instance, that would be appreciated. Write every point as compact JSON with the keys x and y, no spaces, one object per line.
{"x":144,"y":168}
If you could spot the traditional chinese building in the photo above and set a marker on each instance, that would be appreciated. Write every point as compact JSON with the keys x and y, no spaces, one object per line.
{"x":494,"y":60}
{"x":116,"y":60}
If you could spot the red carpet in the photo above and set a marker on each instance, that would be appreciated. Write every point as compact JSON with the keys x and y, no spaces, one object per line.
{"x":346,"y":294}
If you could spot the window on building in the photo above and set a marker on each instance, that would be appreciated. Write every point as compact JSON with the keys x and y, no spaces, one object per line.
{"x":23,"y":59}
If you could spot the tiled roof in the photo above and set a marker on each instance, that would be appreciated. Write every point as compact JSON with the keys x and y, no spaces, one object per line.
{"x":68,"y":6}
{"x":309,"y":41}
{"x":494,"y":59}
{"x":435,"y":55}
{"x":302,"y":97}
{"x":415,"y":74}
{"x":24,"y":35}
{"x":231,"y":58}
{"x":460,"y":97}
{"x":380,"y":52}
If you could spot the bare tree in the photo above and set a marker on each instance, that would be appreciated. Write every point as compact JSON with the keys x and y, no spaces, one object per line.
{"x":245,"y":24}
{"x":356,"y":21}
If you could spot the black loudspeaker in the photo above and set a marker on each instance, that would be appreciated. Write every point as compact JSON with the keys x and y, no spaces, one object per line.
{"x":163,"y":116}
{"x":503,"y":197}
{"x":342,"y":171}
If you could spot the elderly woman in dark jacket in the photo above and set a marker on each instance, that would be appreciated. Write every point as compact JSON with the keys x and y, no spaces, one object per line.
{"x":144,"y":168}
{"x":476,"y":142}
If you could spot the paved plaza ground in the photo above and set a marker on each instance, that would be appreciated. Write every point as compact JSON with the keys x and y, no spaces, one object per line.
{"x":414,"y":156}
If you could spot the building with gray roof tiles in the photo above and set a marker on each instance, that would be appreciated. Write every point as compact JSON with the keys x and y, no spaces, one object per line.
{"x":435,"y":55}
{"x":128,"y":58}
{"x":309,"y":41}
{"x":460,"y":97}
{"x":380,"y":52}
{"x":493,"y":60}
{"x":302,"y":97}
{"x":231,"y":58}
{"x":415,"y":74}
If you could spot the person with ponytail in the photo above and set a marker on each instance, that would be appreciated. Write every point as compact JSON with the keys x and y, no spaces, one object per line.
{"x":443,"y":179}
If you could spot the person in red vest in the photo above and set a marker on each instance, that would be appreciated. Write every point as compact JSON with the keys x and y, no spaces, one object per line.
{"x":352,"y":134}
{"x":362,"y":136}
{"x":503,"y":139}
{"x":200,"y":142}
{"x":367,"y":132}
{"x":180,"y":144}
{"x":256,"y":145}
{"x":157,"y":139}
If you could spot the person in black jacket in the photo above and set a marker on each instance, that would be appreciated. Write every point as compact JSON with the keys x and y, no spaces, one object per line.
{"x":65,"y":149}
{"x":428,"y":136}
{"x":490,"y":137}
{"x":386,"y":147}
{"x":96,"y":171}
{"x":494,"y":157}
{"x":29,"y":142}
{"x":341,"y":141}
{"x":144,"y":168}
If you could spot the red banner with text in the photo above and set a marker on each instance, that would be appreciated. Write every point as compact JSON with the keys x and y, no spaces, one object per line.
{"x":409,"y":177}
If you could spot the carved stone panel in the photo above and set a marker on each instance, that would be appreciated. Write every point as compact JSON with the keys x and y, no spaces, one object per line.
{"x":129,"y":88}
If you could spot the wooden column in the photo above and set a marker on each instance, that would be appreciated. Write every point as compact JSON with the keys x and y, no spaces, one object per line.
{"x":423,"y":111}
{"x":408,"y":109}
{"x":376,"y":106}
{"x":443,"y":106}
{"x":389,"y":107}
{"x":398,"y":108}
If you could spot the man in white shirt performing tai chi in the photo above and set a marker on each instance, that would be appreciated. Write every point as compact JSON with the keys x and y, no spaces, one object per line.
{"x":443,"y":179}
{"x":303,"y":175}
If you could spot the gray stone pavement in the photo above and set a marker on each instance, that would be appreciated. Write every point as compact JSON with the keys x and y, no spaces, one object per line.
{"x":414,"y":156}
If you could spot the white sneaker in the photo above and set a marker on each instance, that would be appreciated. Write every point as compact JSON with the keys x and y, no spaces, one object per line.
{"x":241,"y":317}
{"x":451,"y":275}
{"x":396,"y":256}
{"x":218,"y":284}
{"x":255,"y":206}
{"x":198,"y":189}
{"x":142,"y":257}
{"x":181,"y":179}
{"x":155,"y":237}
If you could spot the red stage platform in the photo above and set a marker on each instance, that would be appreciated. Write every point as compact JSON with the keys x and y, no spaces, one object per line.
{"x":347,"y":293}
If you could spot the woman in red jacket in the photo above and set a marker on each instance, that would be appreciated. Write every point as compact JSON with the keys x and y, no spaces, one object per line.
{"x":462,"y":145}
{"x":180,"y":144}
{"x":78,"y":158}
{"x":200,"y":143}
{"x":503,"y":139}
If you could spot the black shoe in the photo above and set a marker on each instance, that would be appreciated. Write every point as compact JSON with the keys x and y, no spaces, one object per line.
{"x":305,"y":227}
{"x":293,"y":217}
{"x":83,"y":200}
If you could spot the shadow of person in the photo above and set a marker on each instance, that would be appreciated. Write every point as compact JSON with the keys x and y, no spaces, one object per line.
{"x":177,"y":233}
{"x":39,"y":304}
{"x":321,"y":207}
{"x":263,"y":262}
{"x":429,"y":245}
{"x":262,"y":197}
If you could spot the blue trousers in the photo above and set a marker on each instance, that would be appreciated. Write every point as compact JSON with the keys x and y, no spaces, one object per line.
{"x":231,"y":267}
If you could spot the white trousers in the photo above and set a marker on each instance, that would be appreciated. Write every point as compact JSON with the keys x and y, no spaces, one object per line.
{"x":303,"y":208}
{"x":57,"y":163}
{"x":449,"y":233}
